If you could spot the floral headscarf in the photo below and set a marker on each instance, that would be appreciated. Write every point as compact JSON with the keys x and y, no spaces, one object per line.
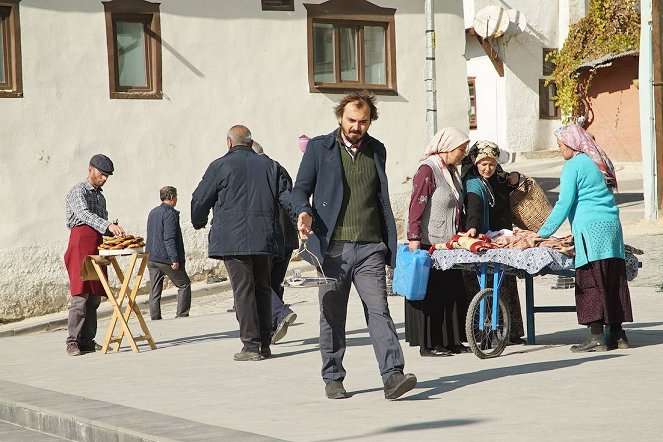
{"x":581,"y":141}
{"x":484,"y":149}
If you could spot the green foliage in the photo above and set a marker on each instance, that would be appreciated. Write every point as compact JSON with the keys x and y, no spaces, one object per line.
{"x":610,"y":26}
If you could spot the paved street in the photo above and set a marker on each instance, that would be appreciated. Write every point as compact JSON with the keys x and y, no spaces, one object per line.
{"x":191,"y":389}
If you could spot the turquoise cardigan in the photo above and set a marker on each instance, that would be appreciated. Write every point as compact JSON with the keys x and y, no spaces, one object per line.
{"x":588,"y":203}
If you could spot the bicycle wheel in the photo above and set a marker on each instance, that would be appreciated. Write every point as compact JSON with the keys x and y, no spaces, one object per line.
{"x":489,"y":342}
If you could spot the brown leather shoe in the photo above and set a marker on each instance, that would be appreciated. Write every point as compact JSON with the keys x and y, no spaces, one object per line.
{"x":73,"y":350}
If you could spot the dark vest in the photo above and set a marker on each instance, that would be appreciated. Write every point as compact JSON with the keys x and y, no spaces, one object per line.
{"x":359,"y":218}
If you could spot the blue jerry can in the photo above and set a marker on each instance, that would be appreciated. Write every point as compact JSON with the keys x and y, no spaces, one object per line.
{"x":411,"y":272}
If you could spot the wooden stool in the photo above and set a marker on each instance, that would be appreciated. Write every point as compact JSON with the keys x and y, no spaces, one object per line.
{"x":116,"y":300}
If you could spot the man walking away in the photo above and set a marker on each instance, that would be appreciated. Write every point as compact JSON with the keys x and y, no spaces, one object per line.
{"x":244,"y":189}
{"x":166,"y":247}
{"x":282,"y":314}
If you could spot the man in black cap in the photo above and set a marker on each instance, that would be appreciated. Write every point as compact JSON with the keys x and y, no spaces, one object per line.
{"x":87,"y":220}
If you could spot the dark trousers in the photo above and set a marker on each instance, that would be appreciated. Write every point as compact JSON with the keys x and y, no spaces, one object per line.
{"x":361,"y":264}
{"x":179,"y":278}
{"x":249,"y":278}
{"x":82,"y":325}
{"x":279,"y":268}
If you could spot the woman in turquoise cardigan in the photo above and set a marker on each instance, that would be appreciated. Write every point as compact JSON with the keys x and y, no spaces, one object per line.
{"x":586,"y":198}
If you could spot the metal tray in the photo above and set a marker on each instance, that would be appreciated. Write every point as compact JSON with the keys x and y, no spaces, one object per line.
{"x":307,"y":282}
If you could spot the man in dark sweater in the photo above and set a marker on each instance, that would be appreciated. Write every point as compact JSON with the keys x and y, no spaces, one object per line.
{"x":351,"y":230}
{"x":166,"y":247}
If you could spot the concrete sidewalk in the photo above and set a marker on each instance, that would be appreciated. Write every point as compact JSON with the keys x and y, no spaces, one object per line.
{"x":191,"y":389}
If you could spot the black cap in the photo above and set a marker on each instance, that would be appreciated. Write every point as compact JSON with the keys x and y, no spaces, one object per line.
{"x":102,"y":163}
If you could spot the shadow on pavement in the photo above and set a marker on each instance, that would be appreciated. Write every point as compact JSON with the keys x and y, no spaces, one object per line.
{"x":410,"y":427}
{"x":446,"y":384}
{"x":636,"y":335}
{"x":234,"y":334}
{"x":548,"y":184}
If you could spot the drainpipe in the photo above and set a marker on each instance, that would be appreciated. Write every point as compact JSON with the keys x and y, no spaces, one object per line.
{"x":657,"y":82}
{"x":647,"y":112}
{"x":429,"y":80}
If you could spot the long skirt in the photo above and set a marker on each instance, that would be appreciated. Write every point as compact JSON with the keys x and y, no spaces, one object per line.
{"x":508,"y":293}
{"x":435,"y":321}
{"x":602,"y":293}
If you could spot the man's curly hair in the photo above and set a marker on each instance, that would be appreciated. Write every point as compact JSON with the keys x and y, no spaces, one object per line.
{"x":361,"y":98}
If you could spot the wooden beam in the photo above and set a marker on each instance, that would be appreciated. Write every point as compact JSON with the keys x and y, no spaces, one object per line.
{"x":490,"y":52}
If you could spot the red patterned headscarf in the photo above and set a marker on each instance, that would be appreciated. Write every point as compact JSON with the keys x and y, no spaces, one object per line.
{"x":580,"y":140}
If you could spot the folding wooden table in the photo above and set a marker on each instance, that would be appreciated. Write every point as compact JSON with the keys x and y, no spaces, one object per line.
{"x":116,"y":298}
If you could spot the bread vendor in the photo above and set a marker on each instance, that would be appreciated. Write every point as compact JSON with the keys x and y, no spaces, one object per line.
{"x":87,"y":220}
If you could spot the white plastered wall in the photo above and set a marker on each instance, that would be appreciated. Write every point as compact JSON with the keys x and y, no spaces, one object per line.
{"x":508,"y":107}
{"x":224,"y":63}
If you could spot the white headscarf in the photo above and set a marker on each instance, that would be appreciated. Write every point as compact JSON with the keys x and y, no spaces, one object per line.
{"x":446,"y":140}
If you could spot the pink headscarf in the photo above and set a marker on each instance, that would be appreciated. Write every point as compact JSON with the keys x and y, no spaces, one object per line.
{"x":580,"y":140}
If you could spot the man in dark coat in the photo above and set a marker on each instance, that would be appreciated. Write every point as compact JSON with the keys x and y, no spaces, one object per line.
{"x":166,"y":247}
{"x":282,"y":315}
{"x":245,"y":190}
{"x":354,"y":236}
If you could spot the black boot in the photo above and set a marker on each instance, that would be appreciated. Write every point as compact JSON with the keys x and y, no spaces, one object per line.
{"x":618,"y":340}
{"x":591,"y":344}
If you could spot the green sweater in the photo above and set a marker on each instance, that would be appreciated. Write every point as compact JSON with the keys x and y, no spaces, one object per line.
{"x":359,"y":218}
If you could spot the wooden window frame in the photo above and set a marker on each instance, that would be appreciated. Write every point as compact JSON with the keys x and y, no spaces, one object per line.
{"x":544,"y":99}
{"x":12,"y":87}
{"x":363,"y":13}
{"x":471,"y":82}
{"x":278,"y":5}
{"x":135,"y":11}
{"x":547,"y":66}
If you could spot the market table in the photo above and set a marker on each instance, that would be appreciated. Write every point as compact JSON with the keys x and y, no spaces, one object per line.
{"x":524,"y":263}
{"x":137,"y":259}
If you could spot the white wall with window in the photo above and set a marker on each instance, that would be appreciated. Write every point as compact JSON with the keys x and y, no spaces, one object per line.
{"x":509,"y":107}
{"x":222,"y":63}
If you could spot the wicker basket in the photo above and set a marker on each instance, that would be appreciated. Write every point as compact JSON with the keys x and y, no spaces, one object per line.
{"x":529,"y":205}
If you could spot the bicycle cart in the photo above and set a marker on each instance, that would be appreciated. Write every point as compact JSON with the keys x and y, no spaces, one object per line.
{"x":487,"y":321}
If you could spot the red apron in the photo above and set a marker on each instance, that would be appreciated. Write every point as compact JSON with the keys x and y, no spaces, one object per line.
{"x":83,"y":241}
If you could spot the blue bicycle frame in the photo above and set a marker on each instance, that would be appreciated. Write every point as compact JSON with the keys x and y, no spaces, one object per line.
{"x":498,"y":277}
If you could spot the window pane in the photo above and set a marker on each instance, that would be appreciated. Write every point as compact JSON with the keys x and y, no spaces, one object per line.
{"x":348,"y":54}
{"x":2,"y":50}
{"x":374,"y":55}
{"x":131,"y":54}
{"x":323,"y":53}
